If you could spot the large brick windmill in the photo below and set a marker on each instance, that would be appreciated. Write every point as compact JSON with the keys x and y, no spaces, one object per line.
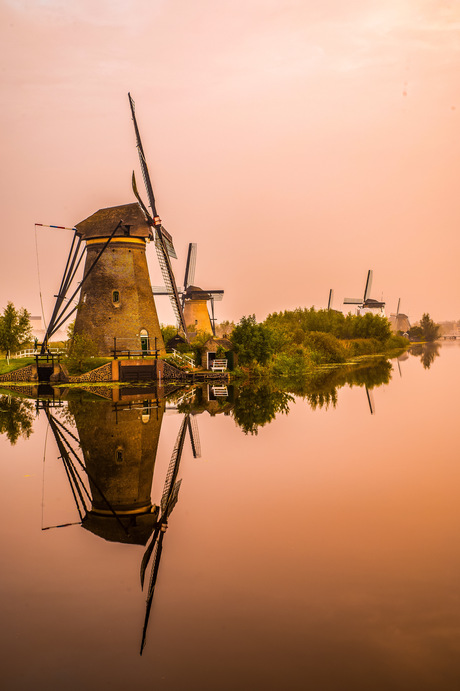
{"x":116,"y":302}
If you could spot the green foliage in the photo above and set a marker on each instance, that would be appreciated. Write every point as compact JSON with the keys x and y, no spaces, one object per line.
{"x":253,"y":342}
{"x":15,"y":328}
{"x":397,"y":341}
{"x":255,"y":406}
{"x":16,"y":418}
{"x":427,"y":330}
{"x":197,"y":343}
{"x":224,"y":329}
{"x":325,"y":347}
{"x":297,"y":364}
{"x":362,"y":346}
{"x":366,"y":326}
{"x":430,"y":330}
{"x":82,"y":350}
{"x":168,"y":332}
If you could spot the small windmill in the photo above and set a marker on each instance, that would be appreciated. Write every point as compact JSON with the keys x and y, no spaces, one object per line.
{"x":367,"y":304}
{"x":331,"y":297}
{"x":194,"y":299}
{"x":163,"y":240}
{"x":400,"y":321}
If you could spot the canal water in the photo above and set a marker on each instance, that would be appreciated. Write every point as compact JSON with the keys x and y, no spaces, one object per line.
{"x":307,"y":539}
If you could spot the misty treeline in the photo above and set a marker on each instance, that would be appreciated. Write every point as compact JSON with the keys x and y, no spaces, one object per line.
{"x":292,"y":342}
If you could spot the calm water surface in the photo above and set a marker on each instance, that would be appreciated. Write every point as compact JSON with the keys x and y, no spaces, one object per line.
{"x":320,"y":553}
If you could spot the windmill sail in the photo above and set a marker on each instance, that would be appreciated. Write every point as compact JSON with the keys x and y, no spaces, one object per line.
{"x":163,"y":241}
{"x":368,"y":287}
{"x":367,"y":290}
{"x":189,"y":277}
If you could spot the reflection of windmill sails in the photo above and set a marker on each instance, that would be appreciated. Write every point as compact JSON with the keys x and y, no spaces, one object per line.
{"x":370,"y":400}
{"x":163,"y":241}
{"x":195,"y":299}
{"x":168,"y":502}
{"x":72,"y":465}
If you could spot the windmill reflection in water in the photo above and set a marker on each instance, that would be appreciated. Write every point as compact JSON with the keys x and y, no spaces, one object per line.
{"x":109,"y":465}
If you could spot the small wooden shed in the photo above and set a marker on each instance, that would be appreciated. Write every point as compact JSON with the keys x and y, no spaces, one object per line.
{"x":212,"y":346}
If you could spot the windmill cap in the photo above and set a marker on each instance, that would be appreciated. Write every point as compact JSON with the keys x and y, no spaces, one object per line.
{"x":102,"y":222}
{"x":196,"y":293}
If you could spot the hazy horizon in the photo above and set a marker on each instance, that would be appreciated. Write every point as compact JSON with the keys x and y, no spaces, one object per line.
{"x":298,"y":144}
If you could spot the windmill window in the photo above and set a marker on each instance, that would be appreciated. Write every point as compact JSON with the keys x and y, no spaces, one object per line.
{"x":115,"y":296}
{"x":119,"y":456}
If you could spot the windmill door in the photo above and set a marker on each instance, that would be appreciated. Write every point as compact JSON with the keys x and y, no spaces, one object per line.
{"x":144,"y":341}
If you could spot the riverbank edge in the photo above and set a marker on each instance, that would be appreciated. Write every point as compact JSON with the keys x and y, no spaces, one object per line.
{"x":103,"y":375}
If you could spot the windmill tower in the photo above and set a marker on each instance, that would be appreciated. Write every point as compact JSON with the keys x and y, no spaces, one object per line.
{"x":399,"y":321}
{"x":194,"y":300}
{"x":116,"y":300}
{"x":366,"y":304}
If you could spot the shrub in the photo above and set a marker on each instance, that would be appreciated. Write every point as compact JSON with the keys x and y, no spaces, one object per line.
{"x":325,"y":348}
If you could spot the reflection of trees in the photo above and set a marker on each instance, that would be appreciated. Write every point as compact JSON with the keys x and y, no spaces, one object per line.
{"x":258,"y":404}
{"x":320,"y":388}
{"x":427,"y":352}
{"x":16,"y":418}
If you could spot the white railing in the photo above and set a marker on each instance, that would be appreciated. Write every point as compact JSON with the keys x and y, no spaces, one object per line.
{"x":219,"y":365}
{"x":32,"y":352}
{"x":185,"y":359}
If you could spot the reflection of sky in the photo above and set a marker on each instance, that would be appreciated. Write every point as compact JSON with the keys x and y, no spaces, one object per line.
{"x":324,"y":547}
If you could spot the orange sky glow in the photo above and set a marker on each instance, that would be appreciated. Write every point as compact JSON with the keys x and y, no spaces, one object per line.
{"x":298,"y":143}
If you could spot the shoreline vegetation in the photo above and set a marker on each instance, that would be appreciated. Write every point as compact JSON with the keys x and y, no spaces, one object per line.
{"x":286,"y":345}
{"x":293,"y":344}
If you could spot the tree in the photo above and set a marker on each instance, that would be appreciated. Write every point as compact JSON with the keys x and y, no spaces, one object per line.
{"x":81,"y":350}
{"x":430,"y":330}
{"x":252,"y":341}
{"x":168,"y":332}
{"x":15,"y":328}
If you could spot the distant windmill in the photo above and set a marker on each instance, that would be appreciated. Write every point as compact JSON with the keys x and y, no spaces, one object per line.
{"x":367,"y":304}
{"x":399,"y":321}
{"x":195,"y":300}
{"x":331,"y":297}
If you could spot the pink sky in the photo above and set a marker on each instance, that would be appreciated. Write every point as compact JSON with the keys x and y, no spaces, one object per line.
{"x":298,"y":143}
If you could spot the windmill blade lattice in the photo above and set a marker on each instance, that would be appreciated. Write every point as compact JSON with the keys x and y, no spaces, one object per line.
{"x":163,"y":241}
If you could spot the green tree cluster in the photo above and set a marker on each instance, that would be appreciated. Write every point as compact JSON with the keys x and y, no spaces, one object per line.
{"x":427,"y":330}
{"x":253,"y":342}
{"x":293,"y":341}
{"x":15,"y":328}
